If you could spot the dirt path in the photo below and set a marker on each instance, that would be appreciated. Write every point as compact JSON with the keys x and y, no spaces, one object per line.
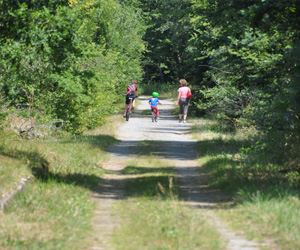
{"x":179,"y":149}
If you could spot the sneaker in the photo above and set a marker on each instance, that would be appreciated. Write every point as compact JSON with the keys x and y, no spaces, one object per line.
{"x":184,"y":121}
{"x":157,"y":118}
{"x":179,"y":121}
{"x":124,"y":115}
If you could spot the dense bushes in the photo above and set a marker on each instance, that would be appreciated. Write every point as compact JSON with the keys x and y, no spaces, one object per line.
{"x":68,"y":59}
{"x":241,"y":57}
{"x":252,"y":49}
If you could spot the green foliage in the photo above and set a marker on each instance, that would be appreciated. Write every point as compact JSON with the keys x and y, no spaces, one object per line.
{"x":251,"y":53}
{"x":68,"y":59}
{"x":147,"y":89}
{"x":167,"y":36}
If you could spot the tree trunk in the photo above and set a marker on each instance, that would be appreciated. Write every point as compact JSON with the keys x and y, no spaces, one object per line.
{"x":160,"y":72}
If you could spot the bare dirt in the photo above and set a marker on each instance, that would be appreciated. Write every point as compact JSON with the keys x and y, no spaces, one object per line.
{"x":180,"y":149}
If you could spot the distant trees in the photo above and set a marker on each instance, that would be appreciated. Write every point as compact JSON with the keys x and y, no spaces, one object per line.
{"x":241,"y":57}
{"x":167,"y":35}
{"x":69,"y":60}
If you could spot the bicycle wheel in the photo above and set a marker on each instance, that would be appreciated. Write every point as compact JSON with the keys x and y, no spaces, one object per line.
{"x":155,"y":116}
{"x":127,"y":113}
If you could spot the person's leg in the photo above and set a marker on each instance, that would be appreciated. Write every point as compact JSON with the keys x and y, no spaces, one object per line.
{"x":157,"y":112}
{"x":132,"y":108}
{"x":181,"y":103}
{"x":185,"y":110}
{"x":126,"y":106}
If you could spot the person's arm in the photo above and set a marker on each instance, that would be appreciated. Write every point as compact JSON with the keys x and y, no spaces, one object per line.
{"x":178,"y":98}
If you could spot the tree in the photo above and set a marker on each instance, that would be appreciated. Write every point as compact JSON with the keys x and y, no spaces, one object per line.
{"x":167,"y":35}
{"x":64,"y":57}
{"x":249,"y":48}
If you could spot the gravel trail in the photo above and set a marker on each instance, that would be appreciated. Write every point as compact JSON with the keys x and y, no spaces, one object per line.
{"x":180,"y":149}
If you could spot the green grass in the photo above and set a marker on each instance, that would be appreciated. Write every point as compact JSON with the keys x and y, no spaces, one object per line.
{"x":157,"y":224}
{"x":151,"y":215}
{"x":146,"y":112}
{"x":262,"y":218}
{"x":266,"y":202}
{"x":151,"y":177}
{"x":48,"y":215}
{"x":55,"y":209}
{"x":150,"y":148}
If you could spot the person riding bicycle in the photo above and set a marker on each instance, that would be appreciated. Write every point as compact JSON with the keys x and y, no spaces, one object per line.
{"x":153,"y":103}
{"x":131,"y":94}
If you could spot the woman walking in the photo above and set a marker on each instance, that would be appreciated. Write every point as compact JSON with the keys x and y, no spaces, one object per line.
{"x":183,"y":100}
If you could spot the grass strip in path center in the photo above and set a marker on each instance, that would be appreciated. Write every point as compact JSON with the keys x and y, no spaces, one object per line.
{"x":151,"y":215}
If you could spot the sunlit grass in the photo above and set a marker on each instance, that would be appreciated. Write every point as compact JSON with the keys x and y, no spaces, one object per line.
{"x":152,"y":216}
{"x":11,"y":171}
{"x":163,"y":224}
{"x":148,"y":171}
{"x":263,"y":218}
{"x":55,"y":209}
{"x":266,"y":201}
{"x":48,"y":215}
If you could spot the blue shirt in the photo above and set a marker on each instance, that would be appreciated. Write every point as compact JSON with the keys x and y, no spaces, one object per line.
{"x":153,"y":101}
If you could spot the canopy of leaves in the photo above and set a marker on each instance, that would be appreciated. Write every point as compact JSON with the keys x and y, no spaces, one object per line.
{"x":71,"y":60}
{"x":240,"y":56}
{"x":251,"y":49}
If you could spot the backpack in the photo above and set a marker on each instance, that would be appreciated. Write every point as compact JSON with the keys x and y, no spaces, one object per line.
{"x":131,"y":89}
{"x":189,"y":95}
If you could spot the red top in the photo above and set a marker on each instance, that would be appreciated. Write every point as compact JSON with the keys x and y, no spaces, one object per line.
{"x":183,"y":91}
{"x":131,"y":88}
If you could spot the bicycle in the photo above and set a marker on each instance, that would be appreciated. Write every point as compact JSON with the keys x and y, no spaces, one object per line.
{"x":154,"y":114}
{"x":128,"y":109}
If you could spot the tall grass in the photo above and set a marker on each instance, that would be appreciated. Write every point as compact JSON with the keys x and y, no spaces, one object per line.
{"x":266,"y":198}
{"x":263,"y":217}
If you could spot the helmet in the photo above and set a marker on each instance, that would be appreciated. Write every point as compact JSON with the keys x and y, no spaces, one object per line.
{"x":155,"y":94}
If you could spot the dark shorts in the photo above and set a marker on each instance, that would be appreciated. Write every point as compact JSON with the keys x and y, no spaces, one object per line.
{"x":129,"y":98}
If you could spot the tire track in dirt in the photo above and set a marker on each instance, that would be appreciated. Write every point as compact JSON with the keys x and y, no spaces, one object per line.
{"x":106,"y":195}
{"x":180,"y":149}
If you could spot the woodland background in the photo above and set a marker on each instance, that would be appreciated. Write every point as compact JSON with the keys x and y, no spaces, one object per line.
{"x":70,"y":61}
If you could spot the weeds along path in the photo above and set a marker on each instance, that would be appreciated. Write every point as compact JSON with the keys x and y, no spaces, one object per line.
{"x":179,"y":148}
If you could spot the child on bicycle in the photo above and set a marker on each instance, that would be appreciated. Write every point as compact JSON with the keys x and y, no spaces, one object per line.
{"x":153,"y":103}
{"x":131,"y":94}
